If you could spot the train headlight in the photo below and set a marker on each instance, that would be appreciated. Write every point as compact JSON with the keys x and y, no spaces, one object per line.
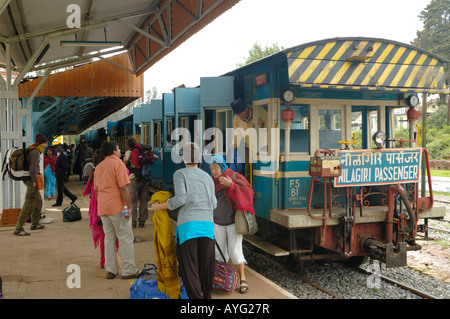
{"x":379,"y":139}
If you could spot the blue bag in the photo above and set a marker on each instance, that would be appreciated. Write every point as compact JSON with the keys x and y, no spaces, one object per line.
{"x":148,"y":289}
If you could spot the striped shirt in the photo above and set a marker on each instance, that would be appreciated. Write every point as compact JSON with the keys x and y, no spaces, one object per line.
{"x":194,"y":195}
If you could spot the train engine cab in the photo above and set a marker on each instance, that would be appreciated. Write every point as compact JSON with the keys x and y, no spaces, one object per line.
{"x":323,"y":187}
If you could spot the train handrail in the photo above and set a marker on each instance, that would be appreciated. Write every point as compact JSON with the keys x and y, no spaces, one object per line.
{"x":426,"y":203}
{"x":347,"y":143}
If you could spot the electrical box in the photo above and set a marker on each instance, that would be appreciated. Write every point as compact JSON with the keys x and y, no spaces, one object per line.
{"x":325,"y":166}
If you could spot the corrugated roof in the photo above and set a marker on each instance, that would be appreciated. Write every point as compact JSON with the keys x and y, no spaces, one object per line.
{"x":148,"y":29}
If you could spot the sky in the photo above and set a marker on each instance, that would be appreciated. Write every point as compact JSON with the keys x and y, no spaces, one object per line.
{"x":217,"y":48}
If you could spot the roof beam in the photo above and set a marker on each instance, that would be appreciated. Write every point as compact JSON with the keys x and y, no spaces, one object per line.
{"x":90,"y":25}
{"x":17,"y":18}
{"x":75,"y":60}
{"x":31,"y":61}
{"x":3,"y":5}
{"x":144,"y":33}
{"x":88,"y":17}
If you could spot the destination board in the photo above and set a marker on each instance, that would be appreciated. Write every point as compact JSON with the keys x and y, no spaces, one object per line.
{"x":378,"y":166}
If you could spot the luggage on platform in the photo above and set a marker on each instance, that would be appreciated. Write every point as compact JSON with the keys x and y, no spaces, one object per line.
{"x":148,"y":289}
{"x":71,"y":213}
{"x":225,"y":276}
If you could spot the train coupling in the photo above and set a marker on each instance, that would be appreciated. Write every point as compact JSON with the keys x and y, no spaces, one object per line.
{"x":387,"y":253}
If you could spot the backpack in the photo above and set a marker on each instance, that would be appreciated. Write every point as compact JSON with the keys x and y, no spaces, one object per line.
{"x":15,"y":163}
{"x":145,"y":161}
{"x":87,"y":171}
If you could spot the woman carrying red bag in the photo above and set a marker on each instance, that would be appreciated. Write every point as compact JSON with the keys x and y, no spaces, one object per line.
{"x":233,"y":192}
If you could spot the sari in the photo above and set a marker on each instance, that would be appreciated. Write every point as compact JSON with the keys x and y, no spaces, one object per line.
{"x":94,"y":220}
{"x":166,"y":260}
{"x":49,"y":175}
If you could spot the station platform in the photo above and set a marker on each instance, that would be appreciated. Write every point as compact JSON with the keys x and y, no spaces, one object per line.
{"x":38,"y":266}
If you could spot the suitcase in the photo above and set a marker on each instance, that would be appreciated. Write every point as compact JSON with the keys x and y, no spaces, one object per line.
{"x":148,"y":289}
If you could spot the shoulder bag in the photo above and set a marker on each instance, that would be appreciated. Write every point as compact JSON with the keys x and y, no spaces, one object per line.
{"x":245,"y":221}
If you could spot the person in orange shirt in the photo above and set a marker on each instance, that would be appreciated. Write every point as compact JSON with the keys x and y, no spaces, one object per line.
{"x":111,"y":185}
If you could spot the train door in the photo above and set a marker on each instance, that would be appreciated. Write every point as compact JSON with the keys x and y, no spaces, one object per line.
{"x":215,"y":124}
{"x":157,"y":133}
{"x":146,"y":133}
{"x":264,"y":156}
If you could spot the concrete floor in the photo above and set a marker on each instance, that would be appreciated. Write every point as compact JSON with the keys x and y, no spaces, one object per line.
{"x":38,"y":266}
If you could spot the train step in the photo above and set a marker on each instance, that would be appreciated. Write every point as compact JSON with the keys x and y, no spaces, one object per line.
{"x":265,"y":246}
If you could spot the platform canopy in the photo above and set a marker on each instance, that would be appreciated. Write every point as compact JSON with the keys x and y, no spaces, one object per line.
{"x":72,"y":63}
{"x":52,"y":34}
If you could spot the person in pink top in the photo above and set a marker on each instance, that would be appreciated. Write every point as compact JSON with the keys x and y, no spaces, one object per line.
{"x":111,"y":186}
{"x":95,"y":222}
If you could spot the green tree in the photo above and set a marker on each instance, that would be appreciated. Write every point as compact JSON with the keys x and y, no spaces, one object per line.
{"x":435,"y":36}
{"x":257,"y":52}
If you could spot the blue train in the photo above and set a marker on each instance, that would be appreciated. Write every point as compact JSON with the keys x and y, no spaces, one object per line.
{"x":315,"y":194}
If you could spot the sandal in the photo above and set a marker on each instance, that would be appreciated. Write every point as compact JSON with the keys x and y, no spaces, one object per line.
{"x":243,"y":289}
{"x":21,"y":233}
{"x":110,"y":275}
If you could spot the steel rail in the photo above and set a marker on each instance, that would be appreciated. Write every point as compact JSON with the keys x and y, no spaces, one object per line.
{"x":318,"y":287}
{"x":401,"y":285}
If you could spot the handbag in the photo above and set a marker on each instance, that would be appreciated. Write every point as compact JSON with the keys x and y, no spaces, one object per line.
{"x":71,"y":213}
{"x":40,"y":182}
{"x":245,"y":223}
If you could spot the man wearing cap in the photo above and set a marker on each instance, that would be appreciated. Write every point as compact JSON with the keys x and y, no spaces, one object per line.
{"x":33,"y":200}
{"x":243,"y":118}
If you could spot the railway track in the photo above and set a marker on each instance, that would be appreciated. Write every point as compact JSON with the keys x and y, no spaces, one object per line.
{"x":399,"y":284}
{"x":302,"y":278}
{"x":334,"y":295}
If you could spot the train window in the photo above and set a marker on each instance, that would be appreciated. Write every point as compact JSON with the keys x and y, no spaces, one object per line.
{"x":299,"y":129}
{"x":158,"y":134}
{"x":224,"y":119}
{"x":330,"y":128}
{"x":146,"y":134}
